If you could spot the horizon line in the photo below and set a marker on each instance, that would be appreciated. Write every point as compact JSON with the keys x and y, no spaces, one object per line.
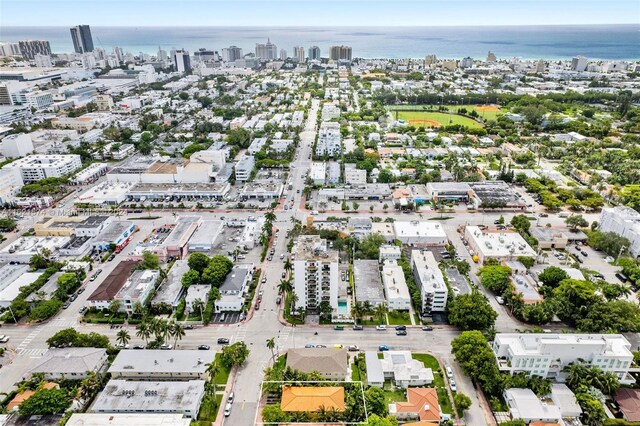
{"x":330,"y":26}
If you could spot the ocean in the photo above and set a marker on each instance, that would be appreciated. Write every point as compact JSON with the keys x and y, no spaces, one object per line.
{"x":612,"y":42}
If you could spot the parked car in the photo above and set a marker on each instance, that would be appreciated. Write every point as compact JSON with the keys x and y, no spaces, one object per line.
{"x":138,"y":346}
{"x":227,"y":410}
{"x":401,"y":332}
{"x":309,"y":346}
{"x":401,"y":327}
{"x":338,"y":327}
{"x":381,"y":327}
{"x":453,"y":385}
{"x":122,"y":346}
{"x":230,"y":398}
{"x":427,"y":328}
{"x":383,"y":348}
{"x":204,"y":347}
{"x":166,"y":346}
{"x":354,"y":348}
{"x":358,"y":327}
{"x":223,"y":341}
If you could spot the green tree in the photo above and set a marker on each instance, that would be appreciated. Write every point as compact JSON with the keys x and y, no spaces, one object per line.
{"x":271,"y":345}
{"x":376,"y":403}
{"x":123,"y":337}
{"x":380,"y":312}
{"x":609,"y":242}
{"x":46,"y":401}
{"x":576,"y":221}
{"x":477,"y":360}
{"x":375,"y":420}
{"x":552,"y":276}
{"x":527,"y":261}
{"x":190,"y":278}
{"x":521,"y":223}
{"x":114,"y":306}
{"x":149,"y":261}
{"x":369,"y":246}
{"x":495,"y":278}
{"x":144,"y":331}
{"x":462,"y":401}
{"x":472,"y":312}
{"x":198,"y":262}
{"x":176,"y":332}
{"x":575,"y":298}
{"x":45,"y":309}
{"x":234,"y":355}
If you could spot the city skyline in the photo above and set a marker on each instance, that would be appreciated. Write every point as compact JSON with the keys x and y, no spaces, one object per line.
{"x":314,"y":13}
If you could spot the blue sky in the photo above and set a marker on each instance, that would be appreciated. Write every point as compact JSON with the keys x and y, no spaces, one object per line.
{"x":316,"y":12}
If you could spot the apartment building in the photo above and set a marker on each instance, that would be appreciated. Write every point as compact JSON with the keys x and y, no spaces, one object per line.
{"x":244,"y":168}
{"x":547,"y":355}
{"x":429,"y":279}
{"x":395,"y":286}
{"x":329,"y":139}
{"x":623,"y":221}
{"x":37,"y":167}
{"x":315,"y":272}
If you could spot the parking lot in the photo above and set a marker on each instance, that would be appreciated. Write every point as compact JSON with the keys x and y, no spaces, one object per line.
{"x":229,"y":318}
{"x":457,"y":281}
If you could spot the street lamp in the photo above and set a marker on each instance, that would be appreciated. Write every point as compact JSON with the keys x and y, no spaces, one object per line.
{"x":623,"y":248}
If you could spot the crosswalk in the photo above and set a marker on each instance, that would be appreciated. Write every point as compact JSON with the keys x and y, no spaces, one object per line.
{"x":21,"y":349}
{"x":32,"y":353}
{"x":62,"y":322}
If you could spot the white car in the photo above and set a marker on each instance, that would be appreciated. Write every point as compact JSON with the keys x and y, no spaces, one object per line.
{"x":227,"y":410}
{"x":453,"y":386}
{"x":381,"y":327}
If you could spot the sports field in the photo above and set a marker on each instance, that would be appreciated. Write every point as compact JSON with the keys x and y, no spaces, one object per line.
{"x":435,"y":119}
{"x":486,"y":112}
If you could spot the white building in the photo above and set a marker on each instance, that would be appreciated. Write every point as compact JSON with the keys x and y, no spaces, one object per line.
{"x":318,"y":173}
{"x":623,"y":221}
{"x":415,"y":232}
{"x":14,"y":278}
{"x":130,"y":396}
{"x":196,"y":292}
{"x":10,"y":184}
{"x":547,"y":355}
{"x":244,"y":167}
{"x":329,"y":139}
{"x":232,"y":291}
{"x":389,"y":252}
{"x":315,"y":272}
{"x":137,"y":289}
{"x":429,"y":279}
{"x":15,"y":146}
{"x":499,"y":245}
{"x":400,"y":368}
{"x":37,"y":167}
{"x":395,"y":286}
{"x":524,"y":404}
{"x":355,"y":177}
{"x":127,"y":419}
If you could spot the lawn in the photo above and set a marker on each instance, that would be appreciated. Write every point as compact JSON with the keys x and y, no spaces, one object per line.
{"x":487,"y":112}
{"x":393,"y":394}
{"x":209,"y":409}
{"x":399,"y":318}
{"x":223,"y":375}
{"x":436,"y":119}
{"x":431,"y":362}
{"x":357,"y":375}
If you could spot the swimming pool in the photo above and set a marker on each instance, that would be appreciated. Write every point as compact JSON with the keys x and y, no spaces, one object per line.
{"x":342,"y":308}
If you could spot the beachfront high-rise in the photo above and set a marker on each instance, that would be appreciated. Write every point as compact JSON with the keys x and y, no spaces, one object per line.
{"x":181,"y":61}
{"x":340,"y":53}
{"x":30,"y":48}
{"x":299,"y":53}
{"x":231,"y":53}
{"x":267,"y":51}
{"x":82,"y":40}
{"x":314,"y":53}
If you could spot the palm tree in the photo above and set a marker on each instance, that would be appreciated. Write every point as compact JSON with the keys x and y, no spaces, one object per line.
{"x":285,"y":286}
{"x":294,"y":300}
{"x":144,"y":331}
{"x":137,"y":308}
{"x":381,"y":312}
{"x":89,"y":386}
{"x":367,"y":308}
{"x":271,"y":344}
{"x":288,"y":265}
{"x":123,"y":337}
{"x":176,"y":331}
{"x":198,"y":305}
{"x":212,"y":370}
{"x":159,"y":328}
{"x":357,"y":310}
{"x":114,"y":306}
{"x":270,"y":216}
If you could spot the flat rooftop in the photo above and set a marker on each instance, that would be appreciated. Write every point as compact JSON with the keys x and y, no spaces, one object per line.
{"x":137,"y":284}
{"x":312,"y":247}
{"x":531,"y":343}
{"x":140,"y":396}
{"x":499,"y":243}
{"x":127,"y":419}
{"x":171,"y":288}
{"x":114,"y":230}
{"x":368,"y":283}
{"x":132,"y":361}
{"x":417,"y":228}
